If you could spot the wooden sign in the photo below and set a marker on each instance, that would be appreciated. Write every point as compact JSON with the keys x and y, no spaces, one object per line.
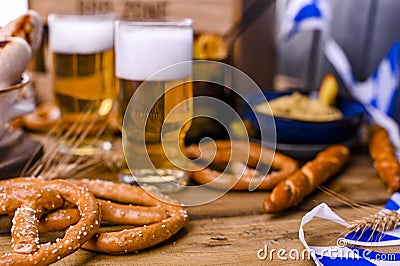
{"x":215,"y":16}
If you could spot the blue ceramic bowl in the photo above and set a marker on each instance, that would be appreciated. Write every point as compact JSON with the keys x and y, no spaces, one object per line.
{"x":290,"y":131}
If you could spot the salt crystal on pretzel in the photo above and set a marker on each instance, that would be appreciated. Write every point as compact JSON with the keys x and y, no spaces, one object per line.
{"x":164,"y":223}
{"x":29,"y":202}
{"x":138,"y":238}
{"x":111,"y":212}
{"x":77,"y":234}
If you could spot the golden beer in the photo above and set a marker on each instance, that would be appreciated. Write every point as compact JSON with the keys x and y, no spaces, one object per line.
{"x":83,"y":68}
{"x":156,"y":121}
{"x":84,"y":85}
{"x":160,"y":116}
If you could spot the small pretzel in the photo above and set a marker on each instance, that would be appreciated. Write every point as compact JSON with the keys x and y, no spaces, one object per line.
{"x":230,"y":153}
{"x":77,"y":234}
{"x":138,"y":238}
{"x":43,"y":118}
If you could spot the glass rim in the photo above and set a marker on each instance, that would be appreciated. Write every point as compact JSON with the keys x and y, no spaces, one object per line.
{"x":162,"y":22}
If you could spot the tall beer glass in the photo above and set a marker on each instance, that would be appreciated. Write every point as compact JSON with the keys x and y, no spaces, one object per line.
{"x":83,"y":71}
{"x":143,"y":48}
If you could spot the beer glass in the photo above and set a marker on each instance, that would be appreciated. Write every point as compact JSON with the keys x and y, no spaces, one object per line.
{"x":83,"y":74}
{"x":142,"y":49}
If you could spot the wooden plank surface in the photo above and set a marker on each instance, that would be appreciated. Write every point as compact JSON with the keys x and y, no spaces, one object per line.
{"x":216,"y":241}
{"x":233,"y":228}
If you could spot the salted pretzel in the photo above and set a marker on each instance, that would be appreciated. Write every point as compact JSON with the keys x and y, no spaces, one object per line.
{"x":383,"y":153}
{"x":244,"y":175}
{"x":29,"y":211}
{"x":27,"y":201}
{"x":138,"y":238}
{"x":111,"y":212}
{"x":59,"y":220}
{"x":302,"y":182}
{"x":159,"y":220}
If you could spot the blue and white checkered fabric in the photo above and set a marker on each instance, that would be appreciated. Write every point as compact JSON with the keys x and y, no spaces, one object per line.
{"x":380,"y":90}
{"x":375,"y":237}
{"x":303,"y":15}
{"x":378,"y":93}
{"x":386,"y":81}
{"x":342,"y":253}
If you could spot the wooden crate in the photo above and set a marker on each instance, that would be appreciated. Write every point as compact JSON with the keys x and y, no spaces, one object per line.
{"x":214,"y":16}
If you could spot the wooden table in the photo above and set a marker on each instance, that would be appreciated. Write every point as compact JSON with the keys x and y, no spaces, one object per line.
{"x":233,"y":228}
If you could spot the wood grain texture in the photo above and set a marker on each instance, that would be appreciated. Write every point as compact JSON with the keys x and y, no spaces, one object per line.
{"x":208,"y":16}
{"x":233,"y":228}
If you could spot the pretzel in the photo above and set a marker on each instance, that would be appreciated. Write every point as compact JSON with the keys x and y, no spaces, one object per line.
{"x":129,"y":240}
{"x":383,"y":153}
{"x":111,"y":212}
{"x":160,"y":220}
{"x":28,"y":202}
{"x":244,"y":176}
{"x":301,"y":183}
{"x":43,"y":118}
{"x":59,"y":220}
{"x":84,"y":229}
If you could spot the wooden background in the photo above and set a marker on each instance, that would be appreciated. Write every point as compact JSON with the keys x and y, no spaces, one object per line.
{"x":208,"y":15}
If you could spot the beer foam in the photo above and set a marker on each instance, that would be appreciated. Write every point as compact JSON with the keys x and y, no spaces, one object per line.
{"x":141,"y":51}
{"x":74,"y":34}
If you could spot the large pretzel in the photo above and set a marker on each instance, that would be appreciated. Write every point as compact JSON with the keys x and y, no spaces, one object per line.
{"x":243,"y":177}
{"x":29,"y":204}
{"x":111,"y":212}
{"x":159,"y":220}
{"x":138,"y":238}
{"x":77,"y":234}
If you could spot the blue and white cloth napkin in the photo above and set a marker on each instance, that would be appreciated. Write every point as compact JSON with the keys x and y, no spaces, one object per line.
{"x":305,"y":15}
{"x":378,"y":93}
{"x":343,"y":253}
